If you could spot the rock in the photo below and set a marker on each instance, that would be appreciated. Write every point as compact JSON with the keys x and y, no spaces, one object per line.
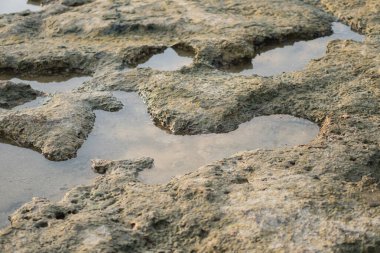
{"x":58,"y":128}
{"x":200,"y":211}
{"x":13,"y":94}
{"x":129,"y":31}
{"x":75,"y":2}
{"x":320,"y":197}
{"x":102,"y":166}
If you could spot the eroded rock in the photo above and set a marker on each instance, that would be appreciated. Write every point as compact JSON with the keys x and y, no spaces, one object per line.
{"x":265,"y":199}
{"x":321,"y":197}
{"x":14,"y":94}
{"x":58,"y":128}
{"x":200,"y":99}
{"x":125,"y":31}
{"x":75,"y":2}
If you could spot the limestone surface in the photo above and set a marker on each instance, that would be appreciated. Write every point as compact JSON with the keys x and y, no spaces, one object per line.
{"x":13,"y":94}
{"x":320,"y":197}
{"x":84,"y":38}
{"x":58,"y":128}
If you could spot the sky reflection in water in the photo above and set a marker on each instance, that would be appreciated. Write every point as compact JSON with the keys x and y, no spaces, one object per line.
{"x":14,"y":6}
{"x":296,"y":56}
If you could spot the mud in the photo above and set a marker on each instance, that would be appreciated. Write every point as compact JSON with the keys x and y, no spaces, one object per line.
{"x":319,"y":197}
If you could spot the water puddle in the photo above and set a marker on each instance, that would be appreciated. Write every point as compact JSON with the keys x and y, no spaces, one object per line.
{"x":33,"y":104}
{"x":130,"y":133}
{"x":135,"y":135}
{"x":49,"y":85}
{"x":169,"y":60}
{"x":52,"y":84}
{"x":25,"y":173}
{"x":13,"y":6}
{"x":296,"y":56}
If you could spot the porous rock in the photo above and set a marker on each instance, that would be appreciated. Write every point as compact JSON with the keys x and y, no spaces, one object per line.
{"x":320,"y":197}
{"x":14,"y":94}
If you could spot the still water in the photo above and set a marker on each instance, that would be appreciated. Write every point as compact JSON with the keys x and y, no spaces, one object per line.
{"x":169,"y":60}
{"x":283,"y":58}
{"x":13,"y":6}
{"x":296,"y":56}
{"x":52,"y":84}
{"x":130,"y":133}
{"x":49,"y":85}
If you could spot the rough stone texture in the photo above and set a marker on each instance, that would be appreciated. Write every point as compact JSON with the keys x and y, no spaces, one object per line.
{"x":202,"y":100}
{"x":293,"y":199}
{"x":102,"y":166}
{"x":321,"y":197}
{"x":58,"y":128}
{"x":14,"y":94}
{"x":84,"y":38}
{"x":75,"y":2}
{"x":361,"y":15}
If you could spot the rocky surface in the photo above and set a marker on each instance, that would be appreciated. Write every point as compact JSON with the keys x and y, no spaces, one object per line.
{"x":321,"y":197}
{"x":361,"y":15}
{"x":14,"y":94}
{"x":58,"y":128}
{"x":84,"y":38}
{"x":200,"y":99}
{"x":293,"y":200}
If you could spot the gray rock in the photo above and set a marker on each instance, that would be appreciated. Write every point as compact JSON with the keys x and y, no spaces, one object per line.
{"x":75,"y":2}
{"x":14,"y":94}
{"x":320,"y":197}
{"x":58,"y":128}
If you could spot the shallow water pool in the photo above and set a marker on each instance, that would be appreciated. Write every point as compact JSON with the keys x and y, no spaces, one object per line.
{"x":13,"y":6}
{"x":294,"y":57}
{"x":49,"y":85}
{"x":130,"y":133}
{"x":53,"y":84}
{"x":169,"y":60}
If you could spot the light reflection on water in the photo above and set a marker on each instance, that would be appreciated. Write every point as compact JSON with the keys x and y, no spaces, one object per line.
{"x":296,"y":56}
{"x":49,"y":85}
{"x":13,"y":6}
{"x":53,"y":84}
{"x":169,"y":60}
{"x":130,"y":133}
